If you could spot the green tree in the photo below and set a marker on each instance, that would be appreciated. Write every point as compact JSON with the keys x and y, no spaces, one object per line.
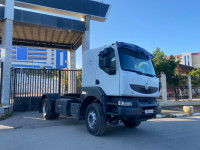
{"x":164,"y":64}
{"x":195,"y":74}
{"x":79,"y":79}
{"x":42,"y":67}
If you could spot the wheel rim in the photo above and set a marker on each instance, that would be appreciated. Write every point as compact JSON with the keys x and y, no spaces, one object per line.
{"x":92,"y":119}
{"x":44,"y":109}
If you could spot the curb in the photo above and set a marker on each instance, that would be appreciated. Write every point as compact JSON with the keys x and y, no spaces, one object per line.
{"x":5,"y":109}
{"x":177,"y":115}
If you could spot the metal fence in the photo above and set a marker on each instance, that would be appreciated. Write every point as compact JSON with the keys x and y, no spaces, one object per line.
{"x":27,"y":85}
{"x":195,"y":81}
{"x":1,"y":72}
{"x":177,"y":88}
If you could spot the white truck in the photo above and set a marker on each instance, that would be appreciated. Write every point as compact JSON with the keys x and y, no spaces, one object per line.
{"x":118,"y":84}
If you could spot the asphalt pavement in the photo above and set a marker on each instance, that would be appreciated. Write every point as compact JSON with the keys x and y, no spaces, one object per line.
{"x":27,"y":131}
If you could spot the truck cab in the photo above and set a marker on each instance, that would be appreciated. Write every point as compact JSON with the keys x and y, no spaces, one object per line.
{"x":120,"y":69}
{"x":119,"y":85}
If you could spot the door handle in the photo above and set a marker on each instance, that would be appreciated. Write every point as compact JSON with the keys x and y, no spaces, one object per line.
{"x":97,"y":82}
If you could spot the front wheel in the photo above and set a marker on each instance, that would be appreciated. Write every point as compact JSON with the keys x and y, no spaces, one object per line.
{"x":131,"y":123}
{"x":95,"y":119}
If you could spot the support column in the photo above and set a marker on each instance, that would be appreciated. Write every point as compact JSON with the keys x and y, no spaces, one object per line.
{"x":86,"y":35}
{"x":72,"y":74}
{"x":6,"y":51}
{"x":164,"y":87}
{"x":189,"y":87}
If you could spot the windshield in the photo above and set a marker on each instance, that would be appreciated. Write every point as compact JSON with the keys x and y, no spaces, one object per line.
{"x":137,"y":62}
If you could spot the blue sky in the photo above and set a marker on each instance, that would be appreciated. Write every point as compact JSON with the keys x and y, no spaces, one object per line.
{"x":172,"y":25}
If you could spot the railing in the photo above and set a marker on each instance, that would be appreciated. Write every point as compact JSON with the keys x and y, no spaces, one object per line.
{"x":177,"y":88}
{"x":1,"y":72}
{"x":195,"y":82}
{"x":35,"y":82}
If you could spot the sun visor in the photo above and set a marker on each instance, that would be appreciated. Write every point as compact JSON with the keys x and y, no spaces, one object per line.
{"x":134,"y":48}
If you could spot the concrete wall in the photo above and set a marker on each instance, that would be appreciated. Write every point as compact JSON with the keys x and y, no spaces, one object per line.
{"x":196,"y":60}
{"x":164,"y":100}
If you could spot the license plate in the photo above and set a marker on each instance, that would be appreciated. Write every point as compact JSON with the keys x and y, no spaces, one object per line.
{"x":149,"y":111}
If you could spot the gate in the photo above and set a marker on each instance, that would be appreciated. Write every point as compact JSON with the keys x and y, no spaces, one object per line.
{"x":1,"y":72}
{"x":28,"y":85}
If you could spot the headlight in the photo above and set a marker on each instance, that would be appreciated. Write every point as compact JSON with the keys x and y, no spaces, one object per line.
{"x":123,"y":103}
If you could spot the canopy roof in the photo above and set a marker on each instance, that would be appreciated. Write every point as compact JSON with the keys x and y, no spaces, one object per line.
{"x":98,"y":11}
{"x":40,"y":30}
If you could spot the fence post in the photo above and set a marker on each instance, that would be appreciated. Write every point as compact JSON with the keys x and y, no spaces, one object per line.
{"x":6,"y":50}
{"x":72,"y":72}
{"x":14,"y":81}
{"x":59,"y":82}
{"x":164,"y":87}
{"x":1,"y":75}
{"x":189,"y":87}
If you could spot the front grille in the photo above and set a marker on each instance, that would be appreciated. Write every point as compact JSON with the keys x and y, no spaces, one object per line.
{"x":145,"y":100}
{"x":141,"y":89}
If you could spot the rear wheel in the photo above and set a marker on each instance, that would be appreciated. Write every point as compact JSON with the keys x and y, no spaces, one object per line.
{"x":95,"y":119}
{"x":131,"y":123}
{"x":47,"y":111}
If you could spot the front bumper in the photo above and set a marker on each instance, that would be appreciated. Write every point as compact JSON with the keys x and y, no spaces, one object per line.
{"x":137,"y":111}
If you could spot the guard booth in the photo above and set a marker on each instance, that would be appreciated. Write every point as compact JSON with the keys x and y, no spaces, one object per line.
{"x":44,"y":23}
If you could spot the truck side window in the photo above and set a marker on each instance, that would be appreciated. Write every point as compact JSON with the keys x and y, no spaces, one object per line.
{"x":112,"y":69}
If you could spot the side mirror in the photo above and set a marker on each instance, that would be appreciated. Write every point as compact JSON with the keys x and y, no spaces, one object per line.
{"x":107,"y":62}
{"x":107,"y":51}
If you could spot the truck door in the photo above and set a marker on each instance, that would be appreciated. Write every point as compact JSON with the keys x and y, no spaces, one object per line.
{"x":107,"y":73}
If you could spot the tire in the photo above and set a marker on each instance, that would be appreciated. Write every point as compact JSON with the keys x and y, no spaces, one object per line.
{"x":95,"y":119}
{"x":47,"y":110}
{"x":131,"y":123}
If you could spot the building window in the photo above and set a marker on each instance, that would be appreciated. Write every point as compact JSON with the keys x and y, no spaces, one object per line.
{"x":37,"y":58}
{"x":185,"y":59}
{"x":37,"y":54}
{"x":61,"y":59}
{"x":22,"y":53}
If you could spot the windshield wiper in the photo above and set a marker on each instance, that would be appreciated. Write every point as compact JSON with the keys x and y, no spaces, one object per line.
{"x":149,"y":74}
{"x":138,"y":72}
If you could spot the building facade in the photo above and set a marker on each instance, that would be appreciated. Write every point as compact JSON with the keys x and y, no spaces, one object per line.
{"x":28,"y":57}
{"x":189,"y":59}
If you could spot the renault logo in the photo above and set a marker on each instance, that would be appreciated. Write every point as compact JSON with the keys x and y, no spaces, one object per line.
{"x":146,"y":86}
